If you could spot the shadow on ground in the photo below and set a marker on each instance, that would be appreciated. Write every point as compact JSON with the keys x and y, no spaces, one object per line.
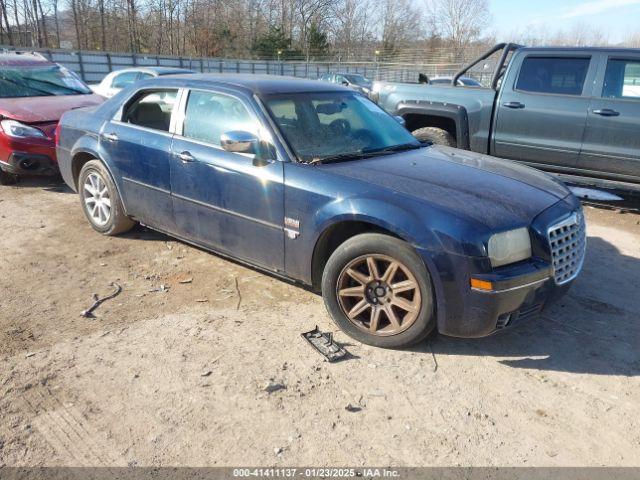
{"x":579,"y":333}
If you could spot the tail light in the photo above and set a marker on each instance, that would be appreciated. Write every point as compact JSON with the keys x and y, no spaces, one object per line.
{"x":56,"y":134}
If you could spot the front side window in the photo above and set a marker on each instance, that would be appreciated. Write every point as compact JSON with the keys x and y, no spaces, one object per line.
{"x":329,"y":124}
{"x":209,"y":115}
{"x":622,"y":79}
{"x":123,"y":80}
{"x":151,"y":109}
{"x":39,"y":81}
{"x":557,"y":75}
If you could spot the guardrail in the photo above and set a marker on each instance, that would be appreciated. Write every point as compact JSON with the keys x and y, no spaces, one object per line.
{"x":92,"y":66}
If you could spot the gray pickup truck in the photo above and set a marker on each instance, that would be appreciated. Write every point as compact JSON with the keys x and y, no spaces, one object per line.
{"x":571,"y":111}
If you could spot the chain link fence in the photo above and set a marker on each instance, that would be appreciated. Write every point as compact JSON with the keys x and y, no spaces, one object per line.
{"x":93,"y":66}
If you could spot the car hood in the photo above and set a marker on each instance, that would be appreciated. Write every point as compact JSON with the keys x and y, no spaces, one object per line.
{"x":44,"y":109}
{"x":498,"y":194}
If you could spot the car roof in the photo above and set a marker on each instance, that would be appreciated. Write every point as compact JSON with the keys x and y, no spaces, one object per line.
{"x":257,"y":84}
{"x":580,"y":49}
{"x":24,"y":59}
{"x":156,"y":70}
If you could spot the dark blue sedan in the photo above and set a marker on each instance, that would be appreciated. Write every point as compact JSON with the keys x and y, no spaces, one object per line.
{"x":315,"y":183}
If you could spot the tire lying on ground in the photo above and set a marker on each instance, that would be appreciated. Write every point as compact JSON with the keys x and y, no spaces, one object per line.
{"x":379,"y":292}
{"x":100,"y":200}
{"x":434,"y":135}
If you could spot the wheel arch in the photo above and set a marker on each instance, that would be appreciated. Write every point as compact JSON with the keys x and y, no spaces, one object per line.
{"x":452,"y":118}
{"x":80,"y":157}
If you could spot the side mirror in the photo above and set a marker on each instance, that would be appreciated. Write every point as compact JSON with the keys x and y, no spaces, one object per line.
{"x":244,"y":142}
{"x":239,"y":142}
{"x":400,"y":120}
{"x":345,"y":83}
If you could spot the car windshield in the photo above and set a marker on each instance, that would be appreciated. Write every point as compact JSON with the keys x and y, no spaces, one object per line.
{"x":39,"y":81}
{"x":330,"y":126}
{"x":358,"y":80}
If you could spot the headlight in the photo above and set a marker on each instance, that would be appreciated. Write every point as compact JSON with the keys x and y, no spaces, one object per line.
{"x":509,"y":247}
{"x":20,"y":130}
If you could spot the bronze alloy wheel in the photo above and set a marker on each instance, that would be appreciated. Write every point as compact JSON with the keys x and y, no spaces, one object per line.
{"x":379,"y":295}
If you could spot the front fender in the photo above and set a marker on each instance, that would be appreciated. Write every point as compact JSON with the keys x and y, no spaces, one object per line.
{"x":402,"y":222}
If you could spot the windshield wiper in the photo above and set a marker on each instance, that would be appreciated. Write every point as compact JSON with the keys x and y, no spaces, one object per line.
{"x":360,"y":154}
{"x":397,"y":148}
{"x":22,"y":85}
{"x":47,"y":82}
{"x":341,"y":157}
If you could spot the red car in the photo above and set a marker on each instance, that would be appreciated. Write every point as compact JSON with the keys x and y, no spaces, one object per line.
{"x":34,"y":93}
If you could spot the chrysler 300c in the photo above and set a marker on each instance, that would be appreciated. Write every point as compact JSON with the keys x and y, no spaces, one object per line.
{"x":316,"y":184}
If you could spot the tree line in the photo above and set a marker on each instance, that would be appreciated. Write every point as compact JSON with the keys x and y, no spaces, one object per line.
{"x":405,"y":31}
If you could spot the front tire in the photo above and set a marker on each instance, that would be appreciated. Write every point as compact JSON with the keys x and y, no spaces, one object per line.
{"x":100,"y":200}
{"x":378,"y":291}
{"x":434,"y":135}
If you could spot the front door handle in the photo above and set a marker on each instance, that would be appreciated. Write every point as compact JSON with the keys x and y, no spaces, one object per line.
{"x":111,"y":137}
{"x":185,"y":157}
{"x":515,"y":105}
{"x":606,"y":112}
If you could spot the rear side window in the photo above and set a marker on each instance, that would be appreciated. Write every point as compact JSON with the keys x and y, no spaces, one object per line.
{"x":558,"y":75}
{"x":209,"y":115}
{"x":151,"y":109}
{"x":124,"y":79}
{"x":622,"y":79}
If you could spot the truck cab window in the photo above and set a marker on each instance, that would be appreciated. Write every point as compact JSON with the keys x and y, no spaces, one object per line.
{"x":622,"y":79}
{"x":556,"y":75}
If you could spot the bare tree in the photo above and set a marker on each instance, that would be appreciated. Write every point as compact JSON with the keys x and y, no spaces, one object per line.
{"x":460,"y":22}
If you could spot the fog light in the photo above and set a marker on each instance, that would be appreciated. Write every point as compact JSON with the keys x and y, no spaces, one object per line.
{"x":481,"y":284}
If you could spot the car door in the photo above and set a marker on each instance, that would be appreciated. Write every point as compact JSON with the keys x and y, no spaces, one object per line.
{"x":541,"y":111}
{"x":138,"y":142}
{"x":221,"y":199}
{"x":612,"y":139}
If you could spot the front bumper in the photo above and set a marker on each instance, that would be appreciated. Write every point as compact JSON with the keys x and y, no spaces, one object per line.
{"x":519,"y":291}
{"x":24,"y":163}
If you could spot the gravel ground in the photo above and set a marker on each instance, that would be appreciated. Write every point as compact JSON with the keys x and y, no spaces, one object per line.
{"x":175,"y":370}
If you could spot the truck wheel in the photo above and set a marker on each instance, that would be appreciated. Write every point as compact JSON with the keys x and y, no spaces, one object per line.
{"x":434,"y":135}
{"x":100,"y":200}
{"x":7,"y":178}
{"x":379,"y":292}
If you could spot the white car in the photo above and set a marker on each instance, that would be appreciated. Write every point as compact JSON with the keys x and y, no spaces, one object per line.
{"x":119,"y":79}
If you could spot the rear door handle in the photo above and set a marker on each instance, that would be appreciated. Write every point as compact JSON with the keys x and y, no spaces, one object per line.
{"x":111,"y":137}
{"x":606,"y":112}
{"x":514,"y":105}
{"x":185,"y":157}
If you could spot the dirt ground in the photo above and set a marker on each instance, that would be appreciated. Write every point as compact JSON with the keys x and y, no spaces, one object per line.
{"x":176,"y":375}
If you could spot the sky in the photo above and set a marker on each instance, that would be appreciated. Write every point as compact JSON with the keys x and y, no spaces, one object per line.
{"x":615,"y":18}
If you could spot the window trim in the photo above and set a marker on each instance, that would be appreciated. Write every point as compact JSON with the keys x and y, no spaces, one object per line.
{"x":583,"y":94}
{"x":607,"y":59}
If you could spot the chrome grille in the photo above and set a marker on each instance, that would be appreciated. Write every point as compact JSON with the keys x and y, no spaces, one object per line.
{"x":568,"y":243}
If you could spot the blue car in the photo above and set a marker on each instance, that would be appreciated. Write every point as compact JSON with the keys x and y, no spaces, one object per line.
{"x":316,"y":184}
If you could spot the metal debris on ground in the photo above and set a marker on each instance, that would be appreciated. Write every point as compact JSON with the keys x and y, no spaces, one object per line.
{"x":97,"y":301}
{"x":273,"y":387}
{"x":323,"y":343}
{"x":352,"y":408}
{"x":186,"y":280}
{"x":161,"y":288}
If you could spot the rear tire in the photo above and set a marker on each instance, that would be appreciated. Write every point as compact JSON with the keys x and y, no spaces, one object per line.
{"x":434,"y":135}
{"x":100,"y":200}
{"x":370,"y":300}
